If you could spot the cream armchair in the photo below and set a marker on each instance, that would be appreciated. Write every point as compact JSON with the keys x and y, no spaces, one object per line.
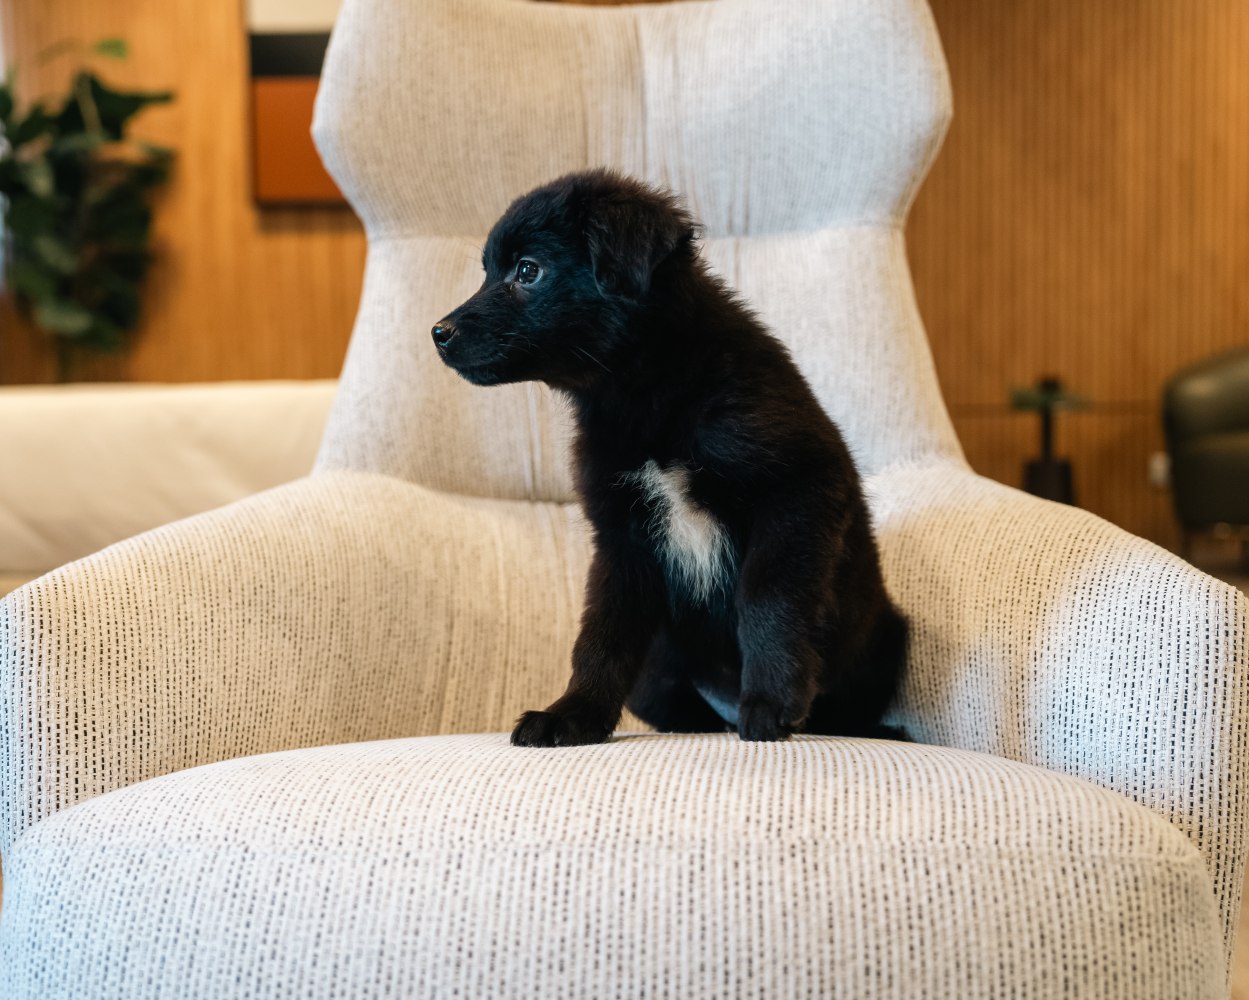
{"x":243,"y":755}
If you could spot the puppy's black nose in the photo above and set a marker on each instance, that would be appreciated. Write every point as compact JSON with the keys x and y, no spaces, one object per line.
{"x":444,"y":333}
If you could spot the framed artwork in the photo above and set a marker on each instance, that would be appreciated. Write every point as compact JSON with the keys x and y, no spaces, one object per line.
{"x":287,"y":41}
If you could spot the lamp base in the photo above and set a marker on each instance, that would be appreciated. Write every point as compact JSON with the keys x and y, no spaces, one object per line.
{"x":1050,"y":479}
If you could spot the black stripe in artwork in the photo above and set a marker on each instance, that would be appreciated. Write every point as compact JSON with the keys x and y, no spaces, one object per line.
{"x":288,"y":54}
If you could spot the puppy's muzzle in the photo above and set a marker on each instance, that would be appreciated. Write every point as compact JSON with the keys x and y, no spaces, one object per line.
{"x":444,"y":332}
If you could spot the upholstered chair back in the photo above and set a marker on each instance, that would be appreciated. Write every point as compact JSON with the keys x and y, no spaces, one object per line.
{"x":797,"y":131}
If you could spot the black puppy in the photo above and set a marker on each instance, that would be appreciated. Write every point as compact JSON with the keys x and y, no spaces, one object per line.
{"x":735,"y":580}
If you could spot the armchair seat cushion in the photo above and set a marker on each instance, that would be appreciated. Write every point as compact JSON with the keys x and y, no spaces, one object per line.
{"x":655,"y":865}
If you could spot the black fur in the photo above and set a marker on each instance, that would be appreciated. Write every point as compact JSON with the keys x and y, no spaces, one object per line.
{"x":594,"y":285}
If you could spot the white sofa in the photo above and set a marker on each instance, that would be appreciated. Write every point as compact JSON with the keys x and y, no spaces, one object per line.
{"x":261,"y":752}
{"x":84,"y":466}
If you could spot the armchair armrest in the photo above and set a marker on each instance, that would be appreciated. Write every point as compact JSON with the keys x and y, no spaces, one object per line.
{"x":1209,"y":397}
{"x":342,"y":607}
{"x":1046,"y":635}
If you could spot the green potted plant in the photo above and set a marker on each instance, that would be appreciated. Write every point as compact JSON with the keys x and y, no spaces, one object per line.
{"x":75,"y":195}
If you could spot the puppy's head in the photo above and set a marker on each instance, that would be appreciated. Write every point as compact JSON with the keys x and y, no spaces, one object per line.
{"x":569,"y":267}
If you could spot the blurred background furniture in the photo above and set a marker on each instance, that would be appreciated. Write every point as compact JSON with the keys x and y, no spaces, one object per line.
{"x":84,"y":466}
{"x":1206,"y":418}
{"x":1072,"y":821}
{"x":1047,"y":476}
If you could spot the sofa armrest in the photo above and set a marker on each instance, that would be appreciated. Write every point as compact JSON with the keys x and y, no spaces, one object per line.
{"x":338,"y":608}
{"x":88,"y":464}
{"x":1046,"y":635}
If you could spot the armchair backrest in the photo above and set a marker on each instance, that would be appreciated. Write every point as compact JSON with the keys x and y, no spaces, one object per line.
{"x":798,"y":131}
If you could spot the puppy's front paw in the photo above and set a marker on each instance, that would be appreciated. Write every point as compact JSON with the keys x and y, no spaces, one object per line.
{"x":546,"y":729}
{"x":760,"y":721}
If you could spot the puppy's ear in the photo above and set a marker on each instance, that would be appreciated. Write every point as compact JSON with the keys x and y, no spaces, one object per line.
{"x":629,"y":238}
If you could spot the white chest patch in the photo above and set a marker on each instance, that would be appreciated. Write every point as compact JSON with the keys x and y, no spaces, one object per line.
{"x":692,"y":544}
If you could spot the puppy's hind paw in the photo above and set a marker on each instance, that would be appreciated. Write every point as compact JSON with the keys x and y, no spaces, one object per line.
{"x":760,"y":721}
{"x":546,"y":729}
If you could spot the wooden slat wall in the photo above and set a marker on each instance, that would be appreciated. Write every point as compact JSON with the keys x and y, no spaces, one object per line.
{"x":1089,"y":216}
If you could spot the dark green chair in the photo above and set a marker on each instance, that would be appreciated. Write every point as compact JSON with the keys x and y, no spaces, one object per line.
{"x":1206,"y":418}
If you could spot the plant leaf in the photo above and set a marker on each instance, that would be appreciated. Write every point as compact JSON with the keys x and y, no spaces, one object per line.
{"x":113,"y":107}
{"x":156,"y":151}
{"x":36,"y":123}
{"x":146,"y":175}
{"x":79,"y":142}
{"x":105,"y":335}
{"x":114,"y":48}
{"x":121,"y":218}
{"x":121,"y":300}
{"x":38,"y":176}
{"x":75,"y":203}
{"x":69,"y":319}
{"x":26,"y":216}
{"x":11,"y":180}
{"x":30,"y":280}
{"x":53,"y":252}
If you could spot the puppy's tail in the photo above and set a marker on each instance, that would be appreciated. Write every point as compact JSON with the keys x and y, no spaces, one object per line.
{"x":868,"y":688}
{"x":889,"y":663}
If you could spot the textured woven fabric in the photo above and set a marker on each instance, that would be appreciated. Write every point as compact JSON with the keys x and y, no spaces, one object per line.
{"x":353,"y":606}
{"x":341,"y":607}
{"x":803,"y":190}
{"x":1044,"y":634}
{"x":420,"y":582}
{"x":771,"y":116}
{"x":841,"y":299}
{"x":690,"y":867}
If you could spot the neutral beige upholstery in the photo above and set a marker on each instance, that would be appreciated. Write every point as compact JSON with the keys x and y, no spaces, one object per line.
{"x":427,"y":580}
{"x":665,"y":866}
{"x":86,"y":465}
{"x":797,"y":130}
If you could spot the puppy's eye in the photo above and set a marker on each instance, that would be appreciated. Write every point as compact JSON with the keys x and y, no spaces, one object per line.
{"x":527,"y":272}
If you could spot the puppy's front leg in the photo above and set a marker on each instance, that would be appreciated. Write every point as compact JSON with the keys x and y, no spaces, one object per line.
{"x":620,"y":617}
